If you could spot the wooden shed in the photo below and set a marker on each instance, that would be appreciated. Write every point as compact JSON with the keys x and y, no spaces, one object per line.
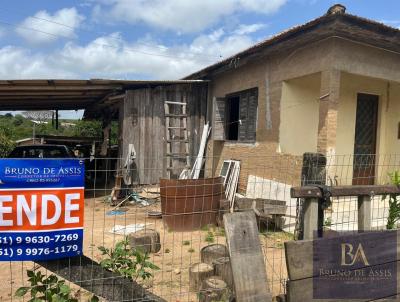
{"x":164,"y":142}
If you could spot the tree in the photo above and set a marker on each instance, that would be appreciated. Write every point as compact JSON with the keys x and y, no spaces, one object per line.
{"x":6,"y":145}
{"x":18,"y":120}
{"x":88,"y":129}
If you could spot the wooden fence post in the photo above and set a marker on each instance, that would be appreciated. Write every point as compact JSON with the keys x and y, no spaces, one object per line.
{"x":364,"y":213}
{"x":313,"y":173}
{"x":311,"y":217}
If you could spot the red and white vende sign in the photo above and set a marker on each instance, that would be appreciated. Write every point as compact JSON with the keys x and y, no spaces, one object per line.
{"x":41,"y":209}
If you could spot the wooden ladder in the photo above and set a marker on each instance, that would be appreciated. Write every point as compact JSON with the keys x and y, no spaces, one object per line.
{"x":176,"y":123}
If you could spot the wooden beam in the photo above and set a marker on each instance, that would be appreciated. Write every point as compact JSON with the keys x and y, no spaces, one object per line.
{"x":310,"y":218}
{"x":116,"y":97}
{"x":89,"y":275}
{"x":42,"y":93}
{"x":59,"y":88}
{"x":46,"y":106}
{"x":48,"y":97}
{"x":364,"y":213}
{"x":338,"y":191}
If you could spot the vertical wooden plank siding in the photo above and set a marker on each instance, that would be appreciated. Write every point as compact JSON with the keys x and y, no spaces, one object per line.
{"x":143,"y":124}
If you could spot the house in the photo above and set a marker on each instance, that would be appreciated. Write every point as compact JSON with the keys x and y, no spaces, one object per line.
{"x":331,"y":86}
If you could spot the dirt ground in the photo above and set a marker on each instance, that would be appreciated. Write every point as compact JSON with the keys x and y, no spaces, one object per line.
{"x":179,"y":250}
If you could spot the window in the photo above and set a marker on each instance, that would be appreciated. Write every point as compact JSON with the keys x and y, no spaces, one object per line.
{"x":235,"y":116}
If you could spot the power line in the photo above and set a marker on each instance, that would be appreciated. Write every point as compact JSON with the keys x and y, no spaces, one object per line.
{"x":97,"y":43}
{"x":211,"y":58}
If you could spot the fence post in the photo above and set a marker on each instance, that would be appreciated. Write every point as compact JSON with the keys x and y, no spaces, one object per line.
{"x":311,"y":210}
{"x":364,"y":213}
{"x":313,"y":173}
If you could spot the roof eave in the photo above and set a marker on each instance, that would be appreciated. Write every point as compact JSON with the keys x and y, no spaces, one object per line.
{"x":369,"y":25}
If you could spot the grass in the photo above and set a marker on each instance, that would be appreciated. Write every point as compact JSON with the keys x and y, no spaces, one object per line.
{"x":206,"y":227}
{"x":220,"y":232}
{"x":277,"y":239}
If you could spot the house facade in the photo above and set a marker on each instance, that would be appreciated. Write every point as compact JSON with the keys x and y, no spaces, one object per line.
{"x":330,"y":86}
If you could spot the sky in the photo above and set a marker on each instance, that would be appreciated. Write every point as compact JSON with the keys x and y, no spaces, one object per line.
{"x":148,"y":39}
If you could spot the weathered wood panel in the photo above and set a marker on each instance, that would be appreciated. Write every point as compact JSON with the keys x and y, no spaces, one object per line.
{"x":247,"y":260}
{"x":340,"y":191}
{"x":144,"y":126}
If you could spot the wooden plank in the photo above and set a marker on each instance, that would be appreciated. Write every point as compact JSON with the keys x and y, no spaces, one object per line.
{"x":89,"y":275}
{"x":142,"y":137}
{"x":175,"y":115}
{"x":271,"y":209}
{"x":176,"y":103}
{"x":268,"y":206}
{"x":247,"y":260}
{"x":148,"y":141}
{"x":364,"y":213}
{"x":60,"y":88}
{"x":310,"y":218}
{"x":338,"y":191}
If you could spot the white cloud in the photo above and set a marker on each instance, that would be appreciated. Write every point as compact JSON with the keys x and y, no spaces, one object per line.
{"x":392,"y":23}
{"x":180,"y":15}
{"x":245,"y":29}
{"x":113,"y":57}
{"x":63,"y":23}
{"x":20,"y":63}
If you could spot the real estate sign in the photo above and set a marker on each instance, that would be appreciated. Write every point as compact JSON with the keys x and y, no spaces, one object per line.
{"x":41,"y":208}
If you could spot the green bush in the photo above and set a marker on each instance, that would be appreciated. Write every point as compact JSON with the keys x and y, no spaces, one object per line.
{"x":49,"y":289}
{"x":128,"y":262}
{"x":210,"y":238}
{"x":6,"y":145}
{"x":394,"y":203}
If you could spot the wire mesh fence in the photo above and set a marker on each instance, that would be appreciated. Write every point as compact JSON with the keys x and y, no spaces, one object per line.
{"x":184,"y":217}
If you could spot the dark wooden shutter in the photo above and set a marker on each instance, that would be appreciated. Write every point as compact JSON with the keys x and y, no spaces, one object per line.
{"x":219,"y":117}
{"x":248,"y":116}
{"x":252,"y":116}
{"x":243,"y":116}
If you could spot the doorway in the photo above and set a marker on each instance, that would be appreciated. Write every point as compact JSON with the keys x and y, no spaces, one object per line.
{"x":365,"y":139}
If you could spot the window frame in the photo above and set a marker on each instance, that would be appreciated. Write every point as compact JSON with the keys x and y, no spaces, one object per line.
{"x":240,"y":95}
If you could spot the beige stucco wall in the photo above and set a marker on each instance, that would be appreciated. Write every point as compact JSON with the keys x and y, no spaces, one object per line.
{"x":299,"y":112}
{"x":265,"y":157}
{"x":388,"y":118}
{"x":283,"y":77}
